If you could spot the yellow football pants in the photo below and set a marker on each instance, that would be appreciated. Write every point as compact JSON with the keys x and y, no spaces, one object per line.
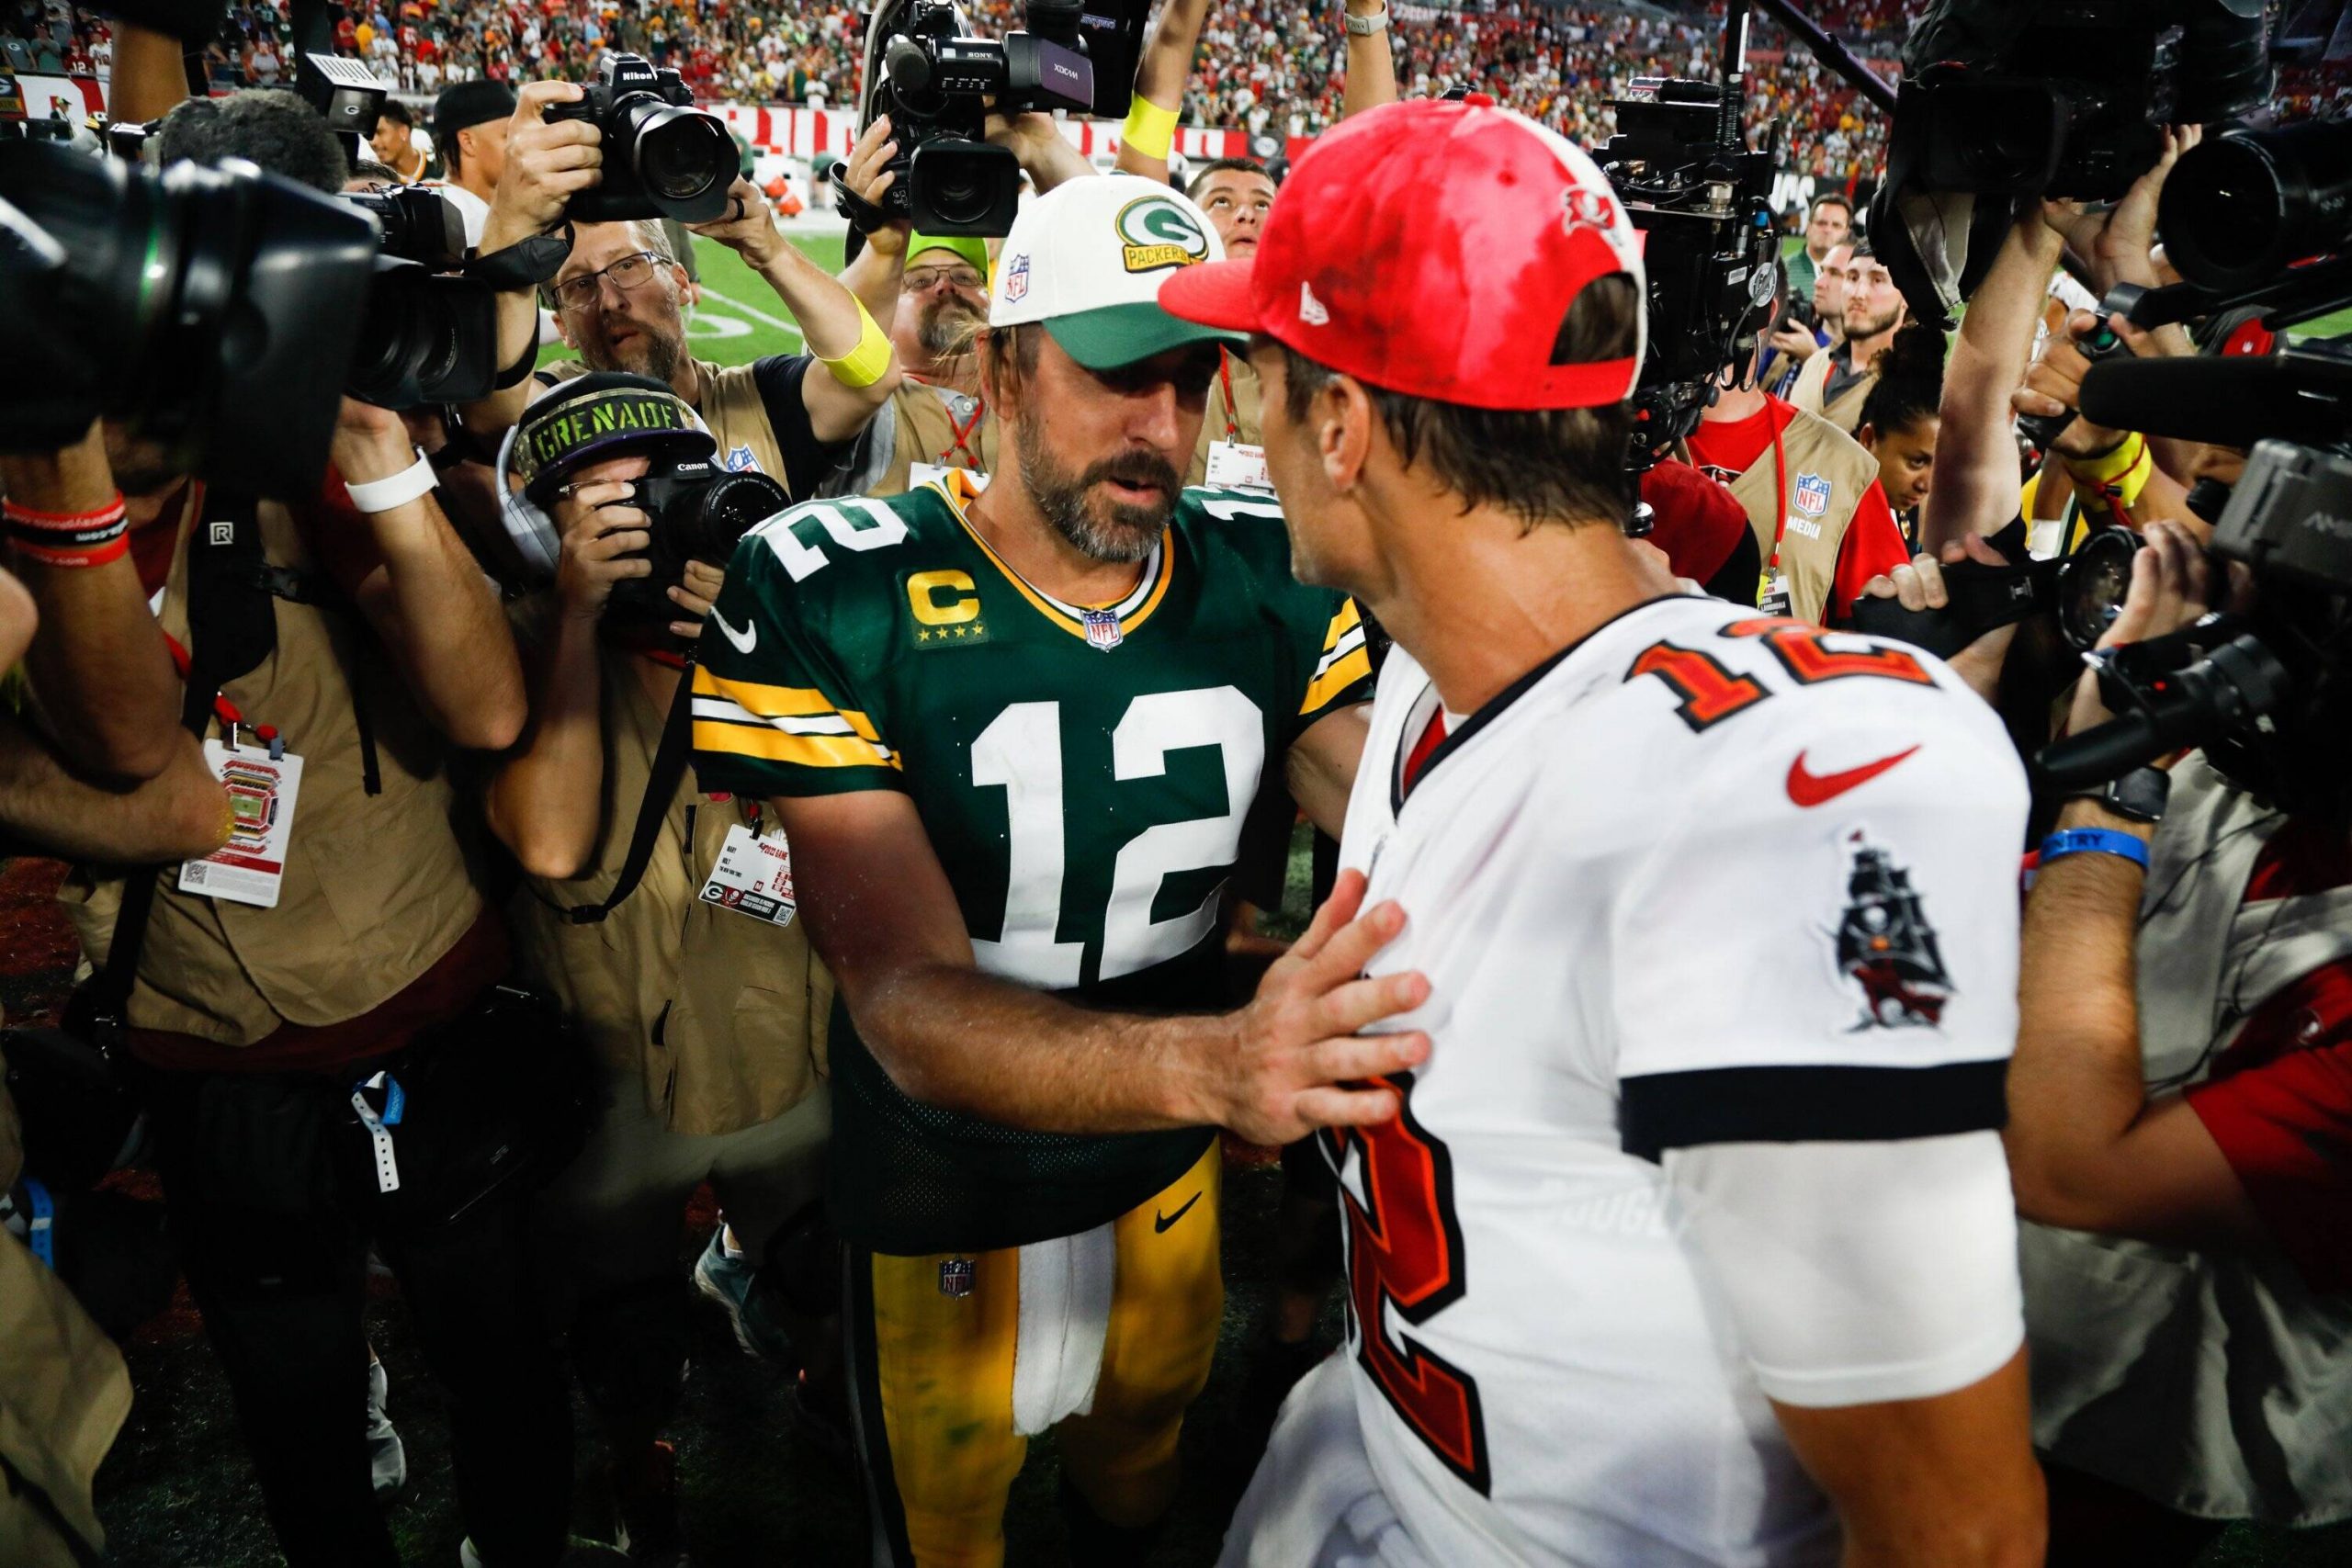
{"x":937,"y":1366}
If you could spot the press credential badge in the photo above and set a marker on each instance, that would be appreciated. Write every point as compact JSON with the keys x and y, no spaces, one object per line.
{"x":251,"y":866}
{"x":753,"y":877}
{"x":1237,"y":465}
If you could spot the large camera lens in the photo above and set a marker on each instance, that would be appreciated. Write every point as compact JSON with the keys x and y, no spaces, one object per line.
{"x":425,"y":339}
{"x":730,"y":507}
{"x":957,"y":186}
{"x":2092,"y":585}
{"x":2238,"y":209}
{"x":684,"y":158}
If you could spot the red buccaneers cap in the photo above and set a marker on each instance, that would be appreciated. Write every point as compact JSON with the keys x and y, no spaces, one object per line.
{"x":1434,"y":248}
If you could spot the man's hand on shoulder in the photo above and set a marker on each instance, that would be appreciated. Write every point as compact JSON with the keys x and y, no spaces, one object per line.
{"x":1293,"y":1060}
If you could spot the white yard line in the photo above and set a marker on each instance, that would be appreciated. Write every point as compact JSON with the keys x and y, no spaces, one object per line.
{"x":753,"y":311}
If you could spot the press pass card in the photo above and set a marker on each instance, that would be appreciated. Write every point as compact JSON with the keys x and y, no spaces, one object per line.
{"x":753,"y":877}
{"x":1237,"y":465}
{"x":249,"y":868}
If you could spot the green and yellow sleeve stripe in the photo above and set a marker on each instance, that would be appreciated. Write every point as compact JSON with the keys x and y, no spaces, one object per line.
{"x":1345,"y":660}
{"x":798,"y":725}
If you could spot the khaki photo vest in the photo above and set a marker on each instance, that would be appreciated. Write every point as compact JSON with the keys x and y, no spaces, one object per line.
{"x":1811,"y":449}
{"x":719,"y":1016}
{"x":376,"y":888}
{"x":923,"y":430}
{"x":1846,"y":411}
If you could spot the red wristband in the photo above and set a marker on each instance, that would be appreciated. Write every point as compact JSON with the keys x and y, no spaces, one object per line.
{"x":68,"y":539}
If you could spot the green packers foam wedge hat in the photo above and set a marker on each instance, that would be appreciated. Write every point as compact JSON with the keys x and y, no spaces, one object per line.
{"x":1087,"y":260}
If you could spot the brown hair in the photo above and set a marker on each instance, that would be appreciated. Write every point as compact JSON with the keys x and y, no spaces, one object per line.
{"x":1540,"y":465}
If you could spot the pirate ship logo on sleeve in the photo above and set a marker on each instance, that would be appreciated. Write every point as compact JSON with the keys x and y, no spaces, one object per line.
{"x":1886,"y":945}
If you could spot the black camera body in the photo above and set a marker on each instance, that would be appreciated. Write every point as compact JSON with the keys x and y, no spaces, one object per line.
{"x":213,"y":311}
{"x":663,"y":157}
{"x":2070,"y":106}
{"x":429,"y":333}
{"x":1711,"y":255}
{"x":937,"y":83}
{"x":695,"y":510}
{"x":2240,"y":208}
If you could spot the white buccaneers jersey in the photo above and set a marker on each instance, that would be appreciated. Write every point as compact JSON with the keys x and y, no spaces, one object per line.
{"x":1703,"y":878}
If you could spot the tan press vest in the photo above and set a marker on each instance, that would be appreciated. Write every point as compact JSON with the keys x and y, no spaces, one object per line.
{"x":376,"y":888}
{"x":732,"y":406}
{"x":720,"y":1016}
{"x":1846,"y":413}
{"x":64,"y":1395}
{"x":1810,"y":447}
{"x":925,"y":431}
{"x":1238,"y":415}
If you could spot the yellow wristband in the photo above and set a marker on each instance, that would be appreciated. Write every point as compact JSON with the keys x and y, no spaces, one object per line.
{"x":2110,"y":466}
{"x":1150,"y":129}
{"x":869,"y":361}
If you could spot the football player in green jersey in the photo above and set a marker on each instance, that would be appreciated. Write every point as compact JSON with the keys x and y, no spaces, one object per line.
{"x":1012,"y":734}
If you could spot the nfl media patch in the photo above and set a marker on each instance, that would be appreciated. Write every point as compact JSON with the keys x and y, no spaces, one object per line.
{"x":740,"y":460}
{"x":1016,"y":279}
{"x":1811,"y":496}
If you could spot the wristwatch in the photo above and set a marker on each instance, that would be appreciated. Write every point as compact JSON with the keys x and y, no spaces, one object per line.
{"x":2138,"y":797}
{"x":1364,"y":26}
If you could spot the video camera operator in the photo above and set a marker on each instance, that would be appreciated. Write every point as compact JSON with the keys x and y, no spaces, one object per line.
{"x":678,"y":956}
{"x":617,"y":299}
{"x":314,"y":1019}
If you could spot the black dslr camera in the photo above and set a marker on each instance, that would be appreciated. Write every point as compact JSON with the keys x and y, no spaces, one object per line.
{"x":939,"y":85}
{"x":430,"y":333}
{"x":212,"y":310}
{"x":1690,"y":183}
{"x":663,"y":157}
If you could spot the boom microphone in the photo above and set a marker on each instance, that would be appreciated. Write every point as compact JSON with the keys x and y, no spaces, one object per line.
{"x":2302,"y":394}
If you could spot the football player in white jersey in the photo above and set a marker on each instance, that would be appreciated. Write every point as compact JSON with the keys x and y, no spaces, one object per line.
{"x":1693,"y":1244}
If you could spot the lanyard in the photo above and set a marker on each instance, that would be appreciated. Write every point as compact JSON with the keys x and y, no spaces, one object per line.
{"x":1224,"y":376}
{"x":960,"y":431}
{"x":1780,"y":489}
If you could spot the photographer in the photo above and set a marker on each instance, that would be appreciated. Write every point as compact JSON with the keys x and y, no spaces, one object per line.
{"x":2177,"y":1104}
{"x":1797,"y":338}
{"x":1831,"y":222}
{"x":262,"y":1008}
{"x":1836,"y":382}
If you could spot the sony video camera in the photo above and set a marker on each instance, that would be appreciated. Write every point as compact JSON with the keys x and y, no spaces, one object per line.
{"x":1690,"y":183}
{"x":939,"y":84}
{"x":212,"y":310}
{"x":663,"y":157}
{"x":430,"y":332}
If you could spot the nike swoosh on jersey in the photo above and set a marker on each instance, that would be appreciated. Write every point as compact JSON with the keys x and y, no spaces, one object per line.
{"x":743,"y":642}
{"x":1811,"y":789}
{"x":1159,"y":1221}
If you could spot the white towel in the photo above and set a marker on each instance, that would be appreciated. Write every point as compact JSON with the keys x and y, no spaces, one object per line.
{"x":1065,"y":1315}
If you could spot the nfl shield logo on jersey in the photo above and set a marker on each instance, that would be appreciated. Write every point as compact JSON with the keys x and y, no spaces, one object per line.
{"x":1811,"y":496}
{"x":740,"y":460}
{"x":958,"y":1275}
{"x":1102,"y":630}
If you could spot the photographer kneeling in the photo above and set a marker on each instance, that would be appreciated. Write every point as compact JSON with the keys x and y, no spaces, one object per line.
{"x":2178,"y":1101}
{"x":676,"y":954}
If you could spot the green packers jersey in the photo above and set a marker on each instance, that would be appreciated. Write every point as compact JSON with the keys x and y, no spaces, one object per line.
{"x":1082,"y":775}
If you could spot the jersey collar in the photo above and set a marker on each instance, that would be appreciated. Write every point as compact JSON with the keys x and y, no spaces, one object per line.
{"x":1158,"y":570}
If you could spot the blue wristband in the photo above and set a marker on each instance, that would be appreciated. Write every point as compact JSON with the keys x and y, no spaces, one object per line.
{"x":2095,"y":841}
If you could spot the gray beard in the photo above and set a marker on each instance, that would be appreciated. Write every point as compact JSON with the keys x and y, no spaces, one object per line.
{"x":1128,"y":535}
{"x":659,"y":356}
{"x":941,"y":330}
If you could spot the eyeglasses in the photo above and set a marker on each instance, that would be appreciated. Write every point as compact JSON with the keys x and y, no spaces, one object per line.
{"x":632,"y":271}
{"x":923,"y":278}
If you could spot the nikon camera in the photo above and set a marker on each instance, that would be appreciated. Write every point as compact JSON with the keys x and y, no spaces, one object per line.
{"x":663,"y":157}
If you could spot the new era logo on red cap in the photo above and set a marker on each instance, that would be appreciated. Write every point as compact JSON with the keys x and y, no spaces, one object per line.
{"x":1464,"y":300}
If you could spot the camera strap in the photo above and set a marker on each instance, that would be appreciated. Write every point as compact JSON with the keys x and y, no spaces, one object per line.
{"x":231,"y":628}
{"x":660,"y":784}
{"x":525,"y":263}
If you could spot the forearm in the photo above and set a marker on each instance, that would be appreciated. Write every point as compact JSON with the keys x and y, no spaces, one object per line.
{"x":546,"y":801}
{"x":1372,"y":65}
{"x":1166,"y":67}
{"x":1976,"y":489}
{"x":102,"y":670}
{"x":874,"y":279}
{"x":48,"y":808}
{"x":440,"y":621}
{"x":2075,"y":1086}
{"x":150,"y":74}
{"x":833,"y":326}
{"x":953,"y":1037}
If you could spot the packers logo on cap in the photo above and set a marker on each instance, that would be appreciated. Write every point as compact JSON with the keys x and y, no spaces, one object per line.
{"x":1155,"y":233}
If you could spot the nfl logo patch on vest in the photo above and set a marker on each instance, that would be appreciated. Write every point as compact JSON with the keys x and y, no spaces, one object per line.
{"x":1102,"y":630}
{"x":740,"y":460}
{"x":958,"y":1275}
{"x":1811,"y":496}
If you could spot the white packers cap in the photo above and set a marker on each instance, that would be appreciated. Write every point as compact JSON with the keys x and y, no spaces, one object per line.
{"x":1087,"y":259}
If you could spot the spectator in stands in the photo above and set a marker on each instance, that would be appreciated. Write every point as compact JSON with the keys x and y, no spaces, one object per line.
{"x":1835,"y":384}
{"x":1832,"y":221}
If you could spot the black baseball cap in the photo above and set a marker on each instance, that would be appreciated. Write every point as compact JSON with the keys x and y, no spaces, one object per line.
{"x":463,"y":104}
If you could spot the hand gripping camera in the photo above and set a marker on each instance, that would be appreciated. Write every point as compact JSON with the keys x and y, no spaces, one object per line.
{"x":663,"y":157}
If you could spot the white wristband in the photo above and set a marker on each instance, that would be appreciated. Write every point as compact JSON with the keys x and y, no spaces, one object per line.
{"x":382,"y":496}
{"x":1364,"y":26}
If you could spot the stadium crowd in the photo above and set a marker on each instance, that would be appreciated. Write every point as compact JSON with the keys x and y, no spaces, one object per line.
{"x":1823,"y":1025}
